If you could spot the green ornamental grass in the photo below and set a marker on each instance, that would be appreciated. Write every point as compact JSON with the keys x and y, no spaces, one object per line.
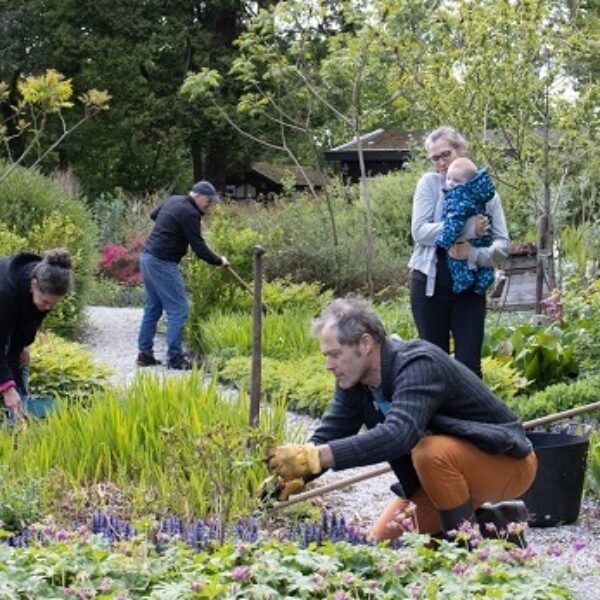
{"x":150,"y":440}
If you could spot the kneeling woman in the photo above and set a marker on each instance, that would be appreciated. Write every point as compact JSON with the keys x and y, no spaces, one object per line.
{"x":30,"y":287}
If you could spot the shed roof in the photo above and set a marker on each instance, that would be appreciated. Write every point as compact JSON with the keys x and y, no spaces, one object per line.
{"x":381,"y":139}
{"x":277,"y":173}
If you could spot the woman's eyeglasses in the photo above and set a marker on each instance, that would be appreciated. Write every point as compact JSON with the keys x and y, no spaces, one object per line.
{"x":441,"y":156}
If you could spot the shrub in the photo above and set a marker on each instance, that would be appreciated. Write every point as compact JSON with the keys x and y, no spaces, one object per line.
{"x":211,"y":287}
{"x":65,"y":370}
{"x":36,"y":209}
{"x":107,"y":292}
{"x":10,"y":242}
{"x":304,"y":382}
{"x":556,"y":398}
{"x":581,"y":313}
{"x":122,"y":263}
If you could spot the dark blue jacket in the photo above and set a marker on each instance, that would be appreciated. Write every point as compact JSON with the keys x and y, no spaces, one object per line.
{"x":430,"y":392}
{"x":177,"y":227}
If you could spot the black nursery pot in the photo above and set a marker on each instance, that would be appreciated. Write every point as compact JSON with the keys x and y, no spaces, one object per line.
{"x":555,"y":496}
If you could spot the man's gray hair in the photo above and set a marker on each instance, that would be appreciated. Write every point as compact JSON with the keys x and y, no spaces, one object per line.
{"x":352,"y":317}
{"x":453,"y":137}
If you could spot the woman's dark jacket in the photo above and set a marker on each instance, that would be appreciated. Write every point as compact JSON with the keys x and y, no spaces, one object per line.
{"x":430,"y":392}
{"x":19,"y":318}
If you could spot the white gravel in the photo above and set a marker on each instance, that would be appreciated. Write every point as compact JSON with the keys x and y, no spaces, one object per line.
{"x":112,"y":335}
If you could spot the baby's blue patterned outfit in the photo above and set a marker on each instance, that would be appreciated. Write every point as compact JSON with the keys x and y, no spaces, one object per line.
{"x":464,"y":201}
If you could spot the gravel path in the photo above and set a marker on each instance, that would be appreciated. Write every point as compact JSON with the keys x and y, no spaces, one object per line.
{"x":111,"y":336}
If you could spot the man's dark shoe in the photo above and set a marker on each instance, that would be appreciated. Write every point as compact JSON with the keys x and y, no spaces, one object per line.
{"x":147,"y":360}
{"x":179,"y":362}
{"x":505,"y":520}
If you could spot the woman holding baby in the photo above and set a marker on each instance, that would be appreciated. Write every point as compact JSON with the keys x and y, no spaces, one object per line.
{"x":442,"y":197}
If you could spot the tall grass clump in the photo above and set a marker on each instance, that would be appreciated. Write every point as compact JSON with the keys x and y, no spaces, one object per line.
{"x":151,"y":440}
{"x":283,"y":335}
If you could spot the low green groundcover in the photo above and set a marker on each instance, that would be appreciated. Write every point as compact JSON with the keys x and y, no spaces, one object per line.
{"x":65,"y":564}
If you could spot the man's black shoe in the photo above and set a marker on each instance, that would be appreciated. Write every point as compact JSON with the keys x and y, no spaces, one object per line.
{"x":506,"y":520}
{"x":179,"y":362}
{"x":147,"y":360}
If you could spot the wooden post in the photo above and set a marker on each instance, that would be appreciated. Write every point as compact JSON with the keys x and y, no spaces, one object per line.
{"x":256,"y":338}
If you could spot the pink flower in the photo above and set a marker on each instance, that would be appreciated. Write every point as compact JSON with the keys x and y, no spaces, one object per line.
{"x":195,"y":587}
{"x":579,"y":545}
{"x":554,"y":550}
{"x":241,"y":574}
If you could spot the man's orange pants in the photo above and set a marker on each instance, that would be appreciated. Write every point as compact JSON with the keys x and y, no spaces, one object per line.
{"x":451,"y":471}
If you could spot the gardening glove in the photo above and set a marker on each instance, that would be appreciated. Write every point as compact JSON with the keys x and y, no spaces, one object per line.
{"x":276,"y":488}
{"x":292,"y":461}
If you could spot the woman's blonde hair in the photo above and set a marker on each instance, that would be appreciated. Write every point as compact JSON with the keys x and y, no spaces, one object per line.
{"x":453,"y":137}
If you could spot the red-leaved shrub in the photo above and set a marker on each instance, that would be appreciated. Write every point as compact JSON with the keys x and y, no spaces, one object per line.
{"x":122,"y":263}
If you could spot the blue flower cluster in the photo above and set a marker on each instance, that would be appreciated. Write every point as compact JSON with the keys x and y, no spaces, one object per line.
{"x":331,"y":528}
{"x":200,"y":533}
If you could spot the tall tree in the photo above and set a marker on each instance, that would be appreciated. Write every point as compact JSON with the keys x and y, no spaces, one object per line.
{"x":140,"y":51}
{"x":311,"y":68}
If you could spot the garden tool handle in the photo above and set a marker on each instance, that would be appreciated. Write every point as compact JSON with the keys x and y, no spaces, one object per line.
{"x":236,"y":277}
{"x":382,"y":470}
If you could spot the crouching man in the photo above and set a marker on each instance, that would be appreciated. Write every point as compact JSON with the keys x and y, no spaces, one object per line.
{"x":452,"y":443}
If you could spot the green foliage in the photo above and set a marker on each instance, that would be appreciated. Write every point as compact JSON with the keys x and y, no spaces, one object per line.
{"x":210,"y":287}
{"x":542,"y":354}
{"x":10,"y":242}
{"x":397,"y":317}
{"x":581,"y":314}
{"x":225,"y":447}
{"x":283,"y":335}
{"x":65,"y":370}
{"x":145,"y":440}
{"x":558,"y":397}
{"x":107,"y":292}
{"x":46,"y":216}
{"x":303,"y":381}
{"x":20,"y":502}
{"x":299,"y":240}
{"x":89,"y":567}
{"x":392,"y":197}
{"x":503,"y":379}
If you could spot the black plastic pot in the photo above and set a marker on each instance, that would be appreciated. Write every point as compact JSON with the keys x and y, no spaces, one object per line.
{"x":555,"y":496}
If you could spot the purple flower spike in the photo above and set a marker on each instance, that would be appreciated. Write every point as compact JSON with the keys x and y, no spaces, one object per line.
{"x":579,"y":545}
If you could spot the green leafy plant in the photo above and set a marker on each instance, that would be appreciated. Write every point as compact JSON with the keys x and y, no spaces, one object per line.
{"x":107,"y":292}
{"x":502,"y":378}
{"x":581,"y":314}
{"x":558,"y":397}
{"x":20,"y":501}
{"x":65,"y":370}
{"x":68,"y":564}
{"x":542,"y":354}
{"x":10,"y":242}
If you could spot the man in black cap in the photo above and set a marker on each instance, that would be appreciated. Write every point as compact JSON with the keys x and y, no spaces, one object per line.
{"x":177,"y":226}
